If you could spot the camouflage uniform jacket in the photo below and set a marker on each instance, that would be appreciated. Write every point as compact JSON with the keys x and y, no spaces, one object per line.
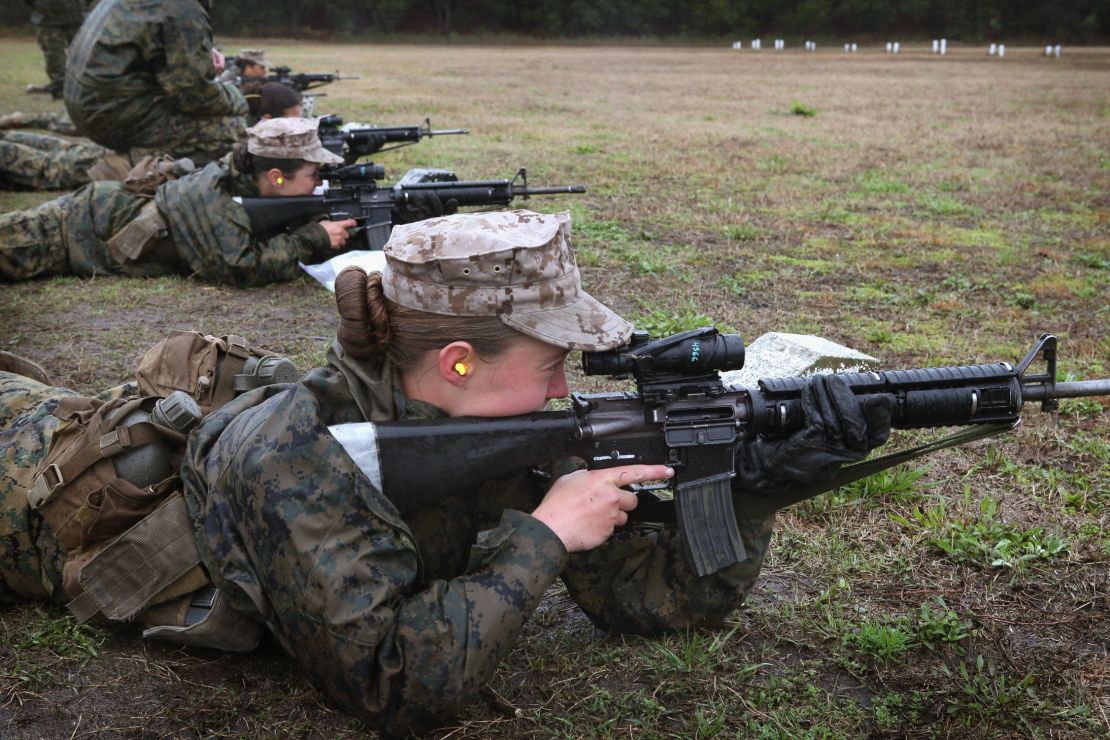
{"x":209,"y":230}
{"x":133,"y":58}
{"x":401,"y":620}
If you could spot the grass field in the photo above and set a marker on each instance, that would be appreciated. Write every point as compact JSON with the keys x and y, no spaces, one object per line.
{"x":924,"y":210}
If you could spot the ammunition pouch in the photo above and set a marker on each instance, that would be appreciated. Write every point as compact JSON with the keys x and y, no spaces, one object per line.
{"x":142,"y":235}
{"x":110,"y":492}
{"x":111,"y":166}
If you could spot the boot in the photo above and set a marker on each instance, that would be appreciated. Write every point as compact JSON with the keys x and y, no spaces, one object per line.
{"x":39,"y":90}
{"x":13,"y":363}
{"x":11,"y":120}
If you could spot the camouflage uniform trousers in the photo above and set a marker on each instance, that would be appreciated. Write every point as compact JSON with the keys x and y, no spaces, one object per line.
{"x":31,"y":241}
{"x":53,"y":40}
{"x":202,"y":140}
{"x":30,"y":558}
{"x":42,"y":162}
{"x":26,"y":426}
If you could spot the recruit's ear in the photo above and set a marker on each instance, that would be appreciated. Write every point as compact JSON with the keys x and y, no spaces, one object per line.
{"x":456,"y":363}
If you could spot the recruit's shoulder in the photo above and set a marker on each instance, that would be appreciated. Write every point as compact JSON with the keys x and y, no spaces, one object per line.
{"x":276,"y":438}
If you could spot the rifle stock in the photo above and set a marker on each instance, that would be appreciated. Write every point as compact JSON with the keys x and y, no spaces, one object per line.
{"x":686,"y":418}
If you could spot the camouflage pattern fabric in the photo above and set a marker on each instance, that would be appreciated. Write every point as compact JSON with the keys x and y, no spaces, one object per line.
{"x":209,"y":231}
{"x":290,"y":138}
{"x":42,"y":162}
{"x":517,"y":265}
{"x":56,"y":121}
{"x":56,"y":23}
{"x":53,"y":40}
{"x":400,"y":621}
{"x":140,"y":80}
{"x":212,"y":232}
{"x":32,"y":241}
{"x":30,"y":558}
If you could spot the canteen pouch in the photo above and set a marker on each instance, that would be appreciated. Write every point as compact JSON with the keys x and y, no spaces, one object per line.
{"x":213,"y":370}
{"x":151,"y":171}
{"x":79,"y":492}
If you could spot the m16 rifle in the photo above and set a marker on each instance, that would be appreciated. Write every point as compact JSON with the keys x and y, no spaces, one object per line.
{"x":357,"y":142}
{"x":301,"y":81}
{"x":683,"y":416}
{"x":353,"y":192}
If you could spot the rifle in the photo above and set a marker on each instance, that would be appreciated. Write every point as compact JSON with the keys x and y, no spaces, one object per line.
{"x":300,"y":81}
{"x":353,"y":143}
{"x":682,"y":415}
{"x":353,"y":192}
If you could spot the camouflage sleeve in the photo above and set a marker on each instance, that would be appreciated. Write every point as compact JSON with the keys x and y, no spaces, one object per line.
{"x":189,"y":75}
{"x":286,"y":519}
{"x":639,"y":582}
{"x":212,"y":234}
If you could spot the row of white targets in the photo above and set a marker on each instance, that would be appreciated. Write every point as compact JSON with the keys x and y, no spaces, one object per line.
{"x":940,"y":46}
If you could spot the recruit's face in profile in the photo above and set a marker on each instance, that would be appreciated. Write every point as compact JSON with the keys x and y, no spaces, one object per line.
{"x":520,"y":380}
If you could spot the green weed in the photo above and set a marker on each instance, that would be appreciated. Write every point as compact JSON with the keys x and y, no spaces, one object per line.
{"x":801,"y":109}
{"x":880,"y":640}
{"x":742,"y":232}
{"x":937,"y":623}
{"x":900,"y":483}
{"x":873,"y":181}
{"x":690,"y":651}
{"x":983,"y":541}
{"x":60,"y":637}
{"x":662,"y":322}
{"x":985,"y":694}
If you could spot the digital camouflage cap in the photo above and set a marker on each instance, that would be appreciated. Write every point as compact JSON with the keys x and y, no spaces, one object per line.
{"x":517,"y":265}
{"x":289,"y":138}
{"x":252,"y":56}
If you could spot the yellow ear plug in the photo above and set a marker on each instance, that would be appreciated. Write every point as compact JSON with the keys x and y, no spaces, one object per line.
{"x":462,"y":368}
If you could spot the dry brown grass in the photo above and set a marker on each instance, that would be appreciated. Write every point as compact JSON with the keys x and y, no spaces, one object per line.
{"x":933,"y":211}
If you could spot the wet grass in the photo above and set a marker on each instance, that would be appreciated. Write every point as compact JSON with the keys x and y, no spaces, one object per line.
{"x":931,"y":212}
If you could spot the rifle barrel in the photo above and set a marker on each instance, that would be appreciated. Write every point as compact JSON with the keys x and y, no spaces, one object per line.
{"x":447,"y":132}
{"x":1073,"y":389}
{"x":557,"y":190}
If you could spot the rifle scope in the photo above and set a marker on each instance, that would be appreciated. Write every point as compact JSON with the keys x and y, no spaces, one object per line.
{"x":696,"y":352}
{"x":368,"y":172}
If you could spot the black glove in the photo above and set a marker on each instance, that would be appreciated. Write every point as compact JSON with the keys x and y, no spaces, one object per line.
{"x":422,"y":204}
{"x":839,"y":427}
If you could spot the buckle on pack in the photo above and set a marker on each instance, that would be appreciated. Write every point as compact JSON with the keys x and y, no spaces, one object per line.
{"x":238,"y":347}
{"x":114,"y":442}
{"x":42,"y":490}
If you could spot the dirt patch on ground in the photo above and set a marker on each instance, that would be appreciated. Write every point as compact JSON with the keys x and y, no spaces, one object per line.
{"x":933,"y":211}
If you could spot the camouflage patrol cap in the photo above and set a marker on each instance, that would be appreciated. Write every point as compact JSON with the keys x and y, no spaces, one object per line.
{"x":517,"y":265}
{"x":252,"y":56}
{"x":289,"y":138}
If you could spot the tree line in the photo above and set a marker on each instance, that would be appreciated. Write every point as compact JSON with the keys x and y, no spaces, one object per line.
{"x":1041,"y":21}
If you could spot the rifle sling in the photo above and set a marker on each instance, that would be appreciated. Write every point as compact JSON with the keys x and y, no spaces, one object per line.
{"x":760,"y":506}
